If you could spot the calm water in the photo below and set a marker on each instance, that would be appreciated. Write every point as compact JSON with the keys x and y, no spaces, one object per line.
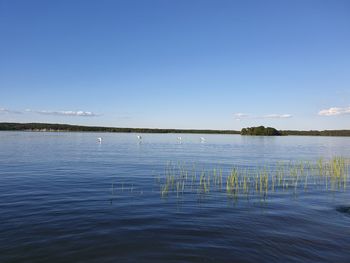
{"x":66,"y":198}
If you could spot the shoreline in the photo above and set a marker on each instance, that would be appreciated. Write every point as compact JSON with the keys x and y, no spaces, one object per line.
{"x":55,"y":127}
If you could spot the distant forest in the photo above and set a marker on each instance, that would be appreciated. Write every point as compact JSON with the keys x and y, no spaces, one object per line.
{"x":6,"y":126}
{"x":318,"y":133}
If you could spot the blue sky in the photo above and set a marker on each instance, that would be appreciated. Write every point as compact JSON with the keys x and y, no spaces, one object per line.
{"x":176,"y":64}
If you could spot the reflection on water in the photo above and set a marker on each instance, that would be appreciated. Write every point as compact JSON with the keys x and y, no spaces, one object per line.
{"x":67,"y":198}
{"x":344,"y":209}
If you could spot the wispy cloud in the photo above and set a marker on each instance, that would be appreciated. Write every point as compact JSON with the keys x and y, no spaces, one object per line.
{"x":65,"y":113}
{"x":334,"y":111}
{"x":277,"y":116}
{"x":240,"y":116}
{"x":4,"y":110}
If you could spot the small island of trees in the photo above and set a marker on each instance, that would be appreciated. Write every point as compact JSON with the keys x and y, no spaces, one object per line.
{"x":260,"y":131}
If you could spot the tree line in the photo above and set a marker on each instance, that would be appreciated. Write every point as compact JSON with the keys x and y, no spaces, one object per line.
{"x":260,"y":130}
{"x":6,"y":126}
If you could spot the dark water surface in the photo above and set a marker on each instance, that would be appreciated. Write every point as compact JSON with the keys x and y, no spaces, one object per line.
{"x":66,"y":198}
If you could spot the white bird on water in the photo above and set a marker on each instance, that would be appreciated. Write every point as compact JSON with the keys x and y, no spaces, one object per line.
{"x":99,"y":139}
{"x":179,"y":138}
{"x":139,"y":137}
{"x":202,"y":139}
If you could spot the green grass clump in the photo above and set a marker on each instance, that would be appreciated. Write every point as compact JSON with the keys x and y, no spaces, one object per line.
{"x":181,"y":179}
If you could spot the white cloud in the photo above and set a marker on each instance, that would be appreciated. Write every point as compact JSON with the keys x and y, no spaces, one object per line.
{"x":240,"y":116}
{"x":4,"y":110}
{"x":65,"y":113}
{"x":334,"y":111}
{"x":277,"y":116}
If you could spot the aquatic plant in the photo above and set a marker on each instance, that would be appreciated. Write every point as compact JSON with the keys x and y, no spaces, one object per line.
{"x":181,"y":179}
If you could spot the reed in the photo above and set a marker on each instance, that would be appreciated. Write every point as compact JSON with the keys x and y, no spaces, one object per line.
{"x":296,"y":176}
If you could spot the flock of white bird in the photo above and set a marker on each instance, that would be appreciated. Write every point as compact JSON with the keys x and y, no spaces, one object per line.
{"x":139,"y":137}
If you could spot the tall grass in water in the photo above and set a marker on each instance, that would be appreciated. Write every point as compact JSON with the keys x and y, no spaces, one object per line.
{"x":260,"y":181}
{"x":180,"y":179}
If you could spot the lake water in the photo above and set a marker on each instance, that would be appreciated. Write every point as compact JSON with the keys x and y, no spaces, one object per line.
{"x":64,"y":197}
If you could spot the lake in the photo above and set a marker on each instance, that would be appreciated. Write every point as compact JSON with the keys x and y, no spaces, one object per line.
{"x":65,"y":197}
